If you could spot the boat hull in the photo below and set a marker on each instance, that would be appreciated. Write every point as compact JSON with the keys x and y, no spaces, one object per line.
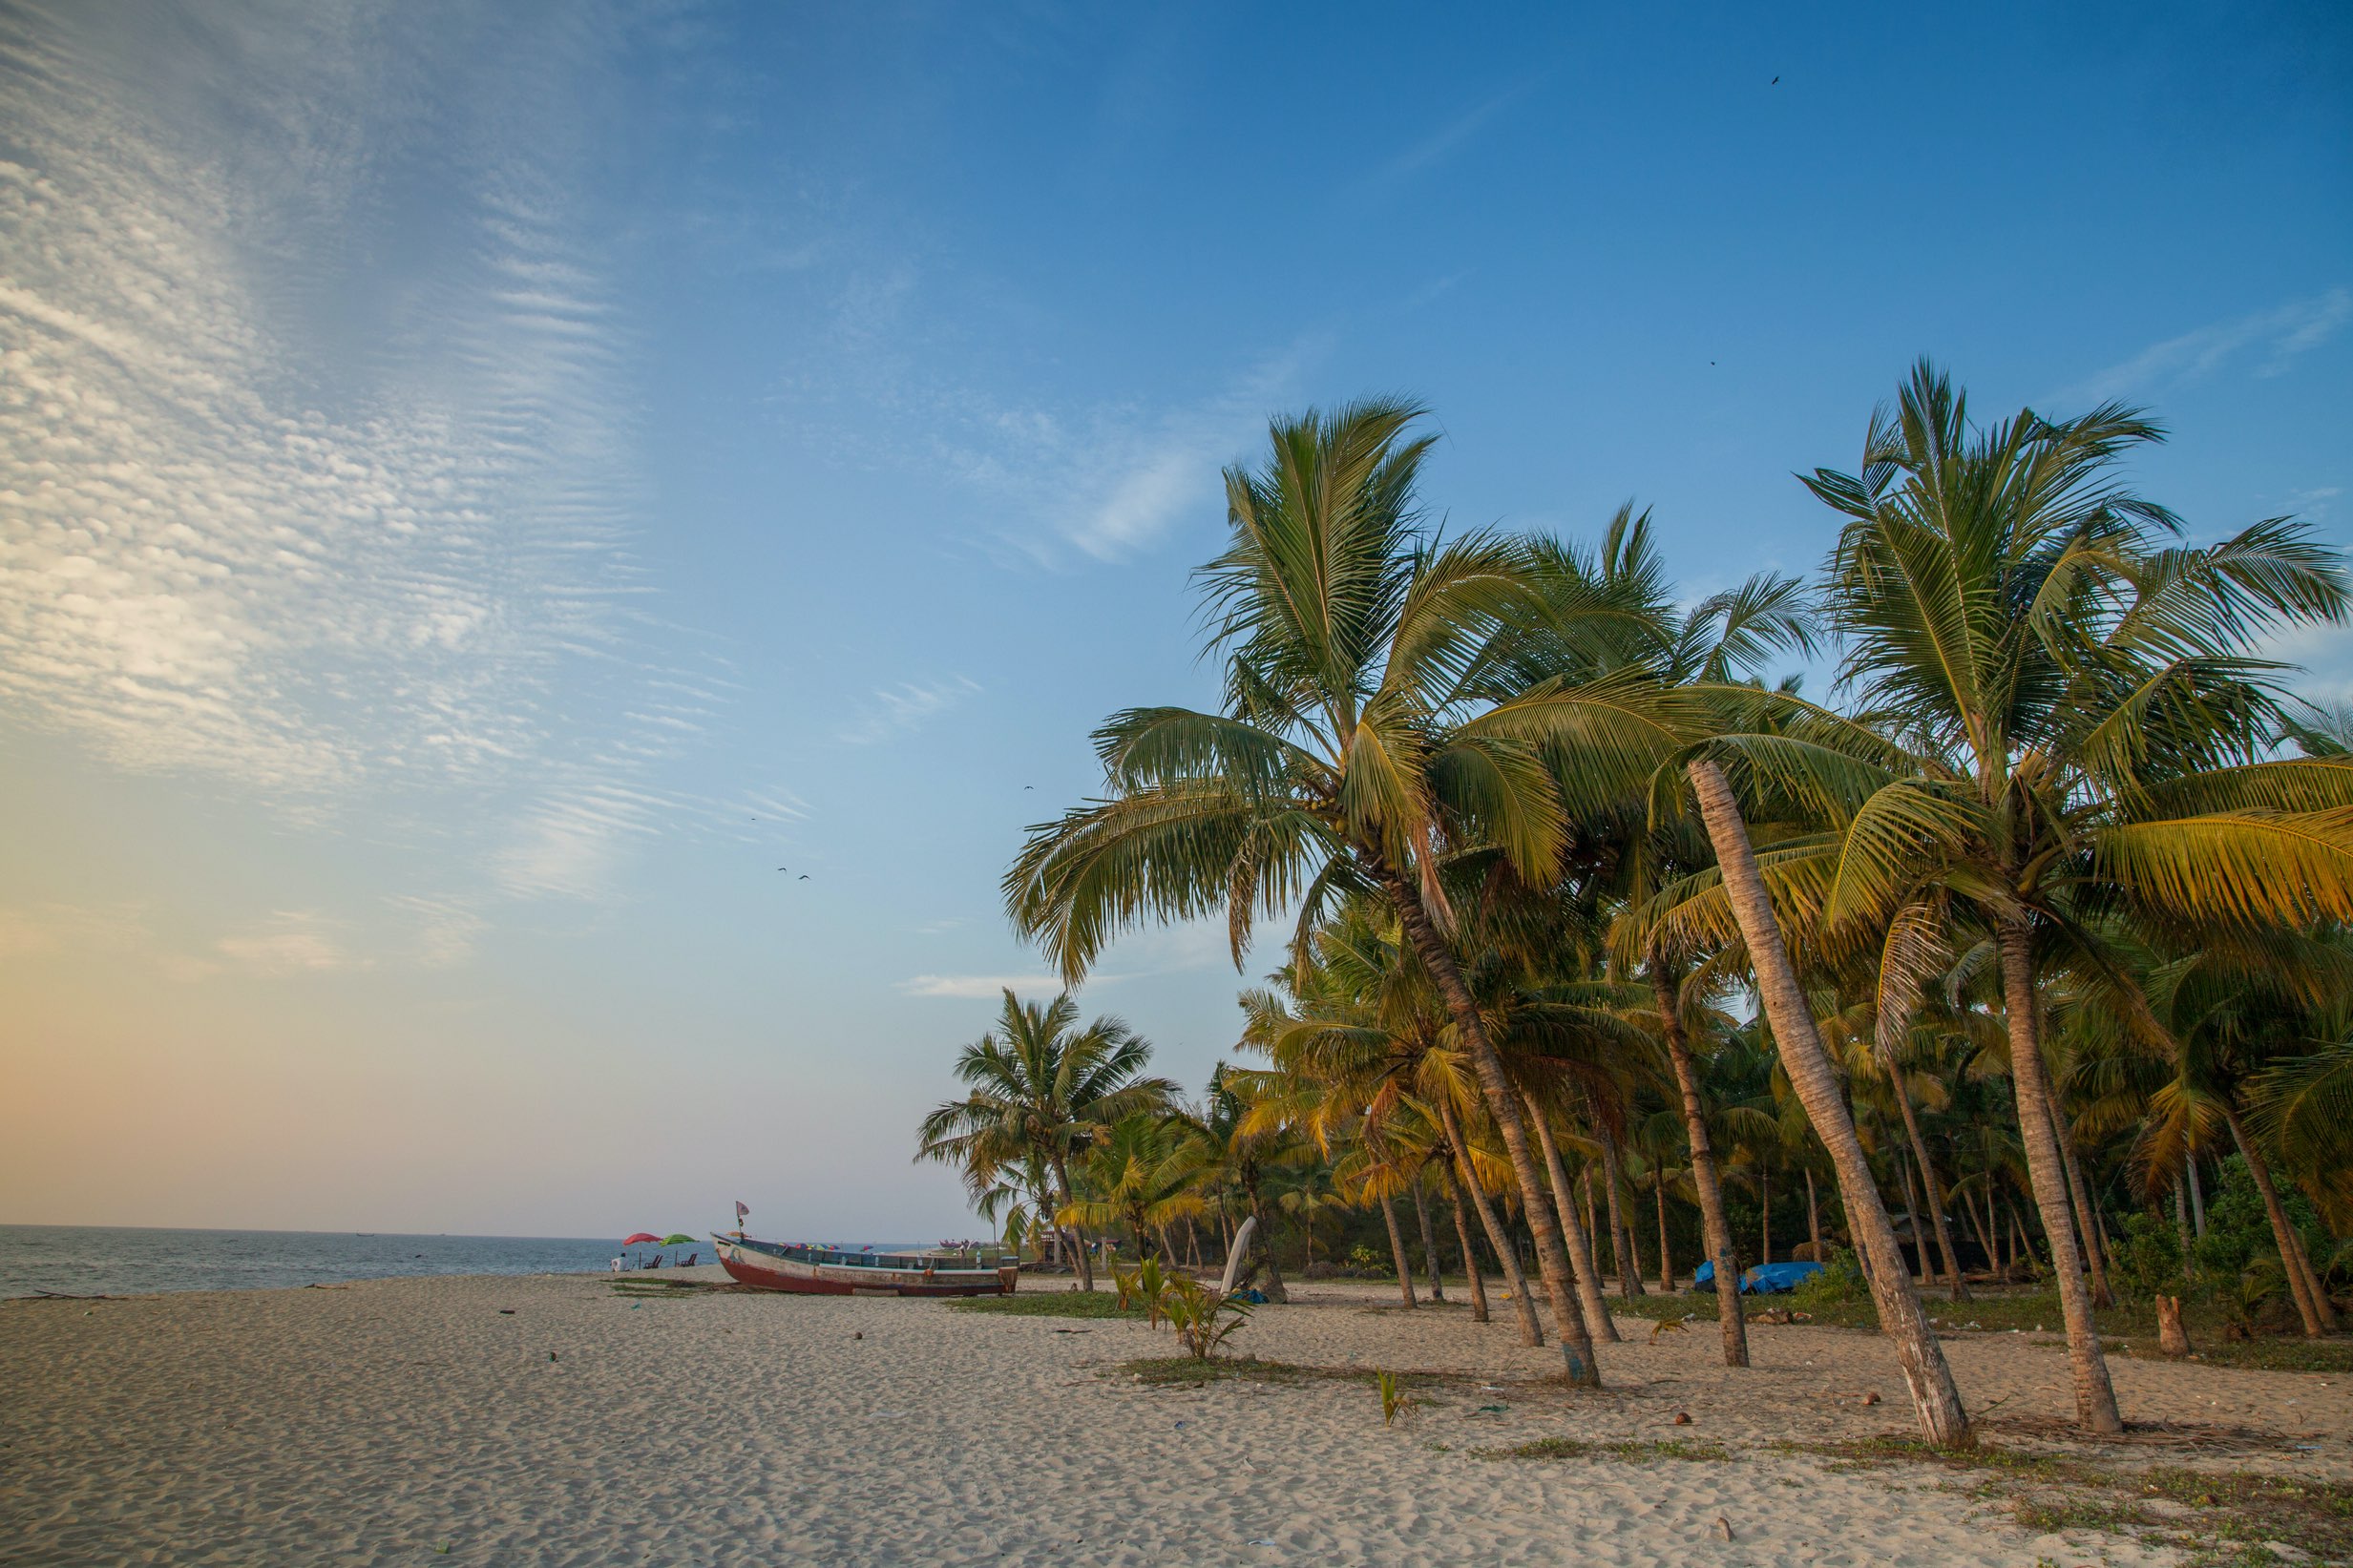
{"x":765,"y":1266}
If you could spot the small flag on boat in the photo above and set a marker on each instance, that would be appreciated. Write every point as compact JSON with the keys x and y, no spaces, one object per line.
{"x":740,"y":1211}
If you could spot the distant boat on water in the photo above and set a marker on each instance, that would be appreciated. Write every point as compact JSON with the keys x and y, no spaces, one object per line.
{"x":827,"y":1271}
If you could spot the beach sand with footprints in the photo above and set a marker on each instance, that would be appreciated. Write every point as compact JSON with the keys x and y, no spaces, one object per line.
{"x":553,"y":1420}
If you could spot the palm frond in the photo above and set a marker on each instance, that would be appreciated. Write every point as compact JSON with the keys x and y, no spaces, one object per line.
{"x":2253,"y":866}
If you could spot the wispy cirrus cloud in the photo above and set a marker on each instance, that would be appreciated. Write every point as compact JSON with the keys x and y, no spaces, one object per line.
{"x":291,"y":942}
{"x":1446,"y":140}
{"x":1112,"y":481}
{"x":941,"y":927}
{"x":402,"y":932}
{"x":968,"y":987}
{"x":898,"y":710}
{"x":1144,"y":955}
{"x":444,"y":932}
{"x":2314,"y":503}
{"x":302,"y":512}
{"x":1058,"y":481}
{"x":2271,"y":340}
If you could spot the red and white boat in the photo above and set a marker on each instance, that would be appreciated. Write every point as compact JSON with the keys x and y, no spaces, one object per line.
{"x":824,"y":1271}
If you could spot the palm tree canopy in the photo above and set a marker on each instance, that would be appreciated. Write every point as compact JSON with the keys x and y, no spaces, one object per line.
{"x":2077,"y":700}
{"x":1371,"y":725}
{"x":1144,"y":1172}
{"x":2056,"y":710}
{"x":1039,"y":1086}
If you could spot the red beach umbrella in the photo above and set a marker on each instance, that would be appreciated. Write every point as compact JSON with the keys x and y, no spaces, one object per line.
{"x":641,"y":1235}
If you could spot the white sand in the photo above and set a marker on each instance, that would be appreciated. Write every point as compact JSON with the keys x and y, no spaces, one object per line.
{"x":378,"y":1423}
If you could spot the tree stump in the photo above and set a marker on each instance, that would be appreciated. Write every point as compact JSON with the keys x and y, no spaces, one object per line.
{"x":2171,"y":1339}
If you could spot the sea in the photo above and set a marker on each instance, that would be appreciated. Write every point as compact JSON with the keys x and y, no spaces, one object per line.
{"x":110,"y":1260}
{"x":118,"y":1260}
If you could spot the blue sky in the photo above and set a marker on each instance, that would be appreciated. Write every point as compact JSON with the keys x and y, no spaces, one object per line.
{"x":485,"y":487}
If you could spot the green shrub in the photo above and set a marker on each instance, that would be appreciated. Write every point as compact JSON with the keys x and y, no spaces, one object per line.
{"x":2238,"y":1256}
{"x":2235,"y":1266}
{"x":1839,"y":1283}
{"x":2148,"y":1261}
{"x":2237,"y":1230}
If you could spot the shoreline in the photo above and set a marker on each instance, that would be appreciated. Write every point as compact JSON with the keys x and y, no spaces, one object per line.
{"x":87,"y":1261}
{"x":710,"y":1270}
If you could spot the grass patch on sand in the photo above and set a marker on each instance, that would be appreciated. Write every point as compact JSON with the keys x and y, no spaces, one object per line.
{"x":1048,"y":1303}
{"x":1641,"y":1452}
{"x":2132,"y":1325}
{"x":1191,"y":1371}
{"x":2269,"y":1354}
{"x":2234,"y":1514}
{"x":1188,"y":1370}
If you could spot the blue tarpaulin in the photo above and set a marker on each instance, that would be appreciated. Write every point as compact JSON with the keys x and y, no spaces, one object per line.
{"x":1764,"y":1279}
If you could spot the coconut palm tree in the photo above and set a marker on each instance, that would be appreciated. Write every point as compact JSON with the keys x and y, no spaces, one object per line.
{"x":1363,"y":1046}
{"x":1305,"y":1195}
{"x":2300,"y":1102}
{"x":1019,"y":1200}
{"x":1656,"y":1164}
{"x":1143,"y":1172}
{"x":1881,"y":1047}
{"x":1245,"y":1149}
{"x":2303,"y":1105}
{"x":2070,"y":717}
{"x":1675,"y":999}
{"x":2231,"y":1015}
{"x":1934,"y":1396}
{"x":1040,"y":1087}
{"x":1723,"y":639}
{"x":1360,"y":746}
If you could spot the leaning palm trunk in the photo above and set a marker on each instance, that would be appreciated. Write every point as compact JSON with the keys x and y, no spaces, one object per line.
{"x":1470,"y":1255}
{"x":1266,"y":1246}
{"x":1714,"y":1223}
{"x":1551,"y":1255}
{"x":1927,"y":1180}
{"x":1584,"y":1194}
{"x":1911,"y":1218}
{"x":1396,"y":1250}
{"x":1589,"y":1299}
{"x":2310,"y":1304}
{"x":1429,"y":1241}
{"x":1621,"y":1239}
{"x":1984,"y":1234}
{"x":2095,"y":1397}
{"x":2086,"y":1218}
{"x":1531,"y":1332}
{"x":1934,"y":1396}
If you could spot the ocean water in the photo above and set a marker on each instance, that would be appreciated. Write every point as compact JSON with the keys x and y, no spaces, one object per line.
{"x":94,"y":1261}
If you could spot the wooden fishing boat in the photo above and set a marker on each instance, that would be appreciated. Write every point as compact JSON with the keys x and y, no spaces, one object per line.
{"x":824,"y":1271}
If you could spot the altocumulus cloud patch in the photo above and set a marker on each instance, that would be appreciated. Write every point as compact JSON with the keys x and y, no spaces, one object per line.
{"x":230,"y":545}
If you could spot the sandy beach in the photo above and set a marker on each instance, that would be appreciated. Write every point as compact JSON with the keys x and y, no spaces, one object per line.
{"x":549,"y":1420}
